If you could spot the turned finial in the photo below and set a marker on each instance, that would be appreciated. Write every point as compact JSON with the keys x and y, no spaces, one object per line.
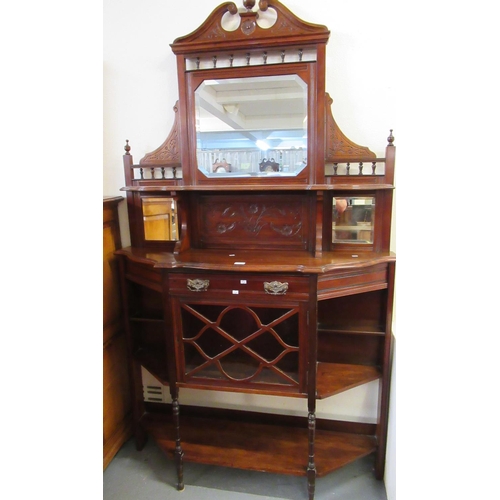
{"x":127,"y":148}
{"x":390,"y":139}
{"x":249,"y":4}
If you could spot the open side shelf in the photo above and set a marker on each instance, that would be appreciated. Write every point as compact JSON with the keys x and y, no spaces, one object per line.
{"x":334,"y":378}
{"x":350,"y":330}
{"x":260,"y":444}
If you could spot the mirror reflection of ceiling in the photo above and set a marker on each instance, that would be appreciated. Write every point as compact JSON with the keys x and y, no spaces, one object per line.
{"x":260,"y":108}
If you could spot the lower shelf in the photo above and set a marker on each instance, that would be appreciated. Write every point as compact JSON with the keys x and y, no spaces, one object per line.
{"x":256,"y":445}
{"x":333,"y":378}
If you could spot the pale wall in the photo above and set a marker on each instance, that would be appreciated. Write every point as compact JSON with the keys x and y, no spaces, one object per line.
{"x":140,"y":89}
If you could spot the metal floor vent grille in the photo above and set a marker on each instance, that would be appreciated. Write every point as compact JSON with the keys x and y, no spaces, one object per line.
{"x":152,"y":390}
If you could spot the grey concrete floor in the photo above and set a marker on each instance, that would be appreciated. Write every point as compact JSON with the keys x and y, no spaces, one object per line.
{"x":150,"y":475}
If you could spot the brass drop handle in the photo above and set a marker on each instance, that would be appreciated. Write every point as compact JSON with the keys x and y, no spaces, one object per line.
{"x":275,"y":287}
{"x":198,"y":285}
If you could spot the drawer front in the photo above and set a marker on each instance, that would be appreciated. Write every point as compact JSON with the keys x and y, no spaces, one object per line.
{"x":143,"y":274}
{"x":238,"y":285}
{"x":350,"y":282}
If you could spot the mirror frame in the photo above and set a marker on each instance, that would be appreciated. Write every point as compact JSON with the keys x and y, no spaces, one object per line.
{"x":304,"y":70}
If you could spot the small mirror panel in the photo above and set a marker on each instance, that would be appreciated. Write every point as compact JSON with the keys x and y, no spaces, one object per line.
{"x":251,"y":127}
{"x":160,"y":219}
{"x":353,"y":219}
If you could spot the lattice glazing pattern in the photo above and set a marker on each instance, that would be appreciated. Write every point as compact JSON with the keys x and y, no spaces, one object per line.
{"x":241,"y":344}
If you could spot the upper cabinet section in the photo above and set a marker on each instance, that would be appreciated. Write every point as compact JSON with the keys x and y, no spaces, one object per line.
{"x":253,"y":113}
{"x":252,"y":98}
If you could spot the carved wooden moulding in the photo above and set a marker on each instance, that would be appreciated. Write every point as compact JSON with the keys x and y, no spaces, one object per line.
{"x":277,"y":221}
{"x":168,"y":154}
{"x":338,"y":146}
{"x":247,"y":27}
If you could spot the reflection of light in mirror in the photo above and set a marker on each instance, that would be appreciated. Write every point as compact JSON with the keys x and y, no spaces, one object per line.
{"x":242,"y":121}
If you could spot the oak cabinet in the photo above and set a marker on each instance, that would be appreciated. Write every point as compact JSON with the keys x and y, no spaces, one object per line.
{"x":117,"y":420}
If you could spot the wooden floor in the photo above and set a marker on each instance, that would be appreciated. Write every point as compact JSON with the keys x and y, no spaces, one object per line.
{"x":150,"y":475}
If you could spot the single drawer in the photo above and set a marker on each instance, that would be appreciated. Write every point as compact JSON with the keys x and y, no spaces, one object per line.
{"x":240,"y":284}
{"x":143,"y":274}
{"x":341,"y":283}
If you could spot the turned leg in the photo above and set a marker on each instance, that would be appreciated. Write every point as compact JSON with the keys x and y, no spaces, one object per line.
{"x":311,"y":466}
{"x":178,"y":453}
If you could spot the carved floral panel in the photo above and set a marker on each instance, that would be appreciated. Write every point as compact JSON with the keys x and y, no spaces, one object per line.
{"x":265,"y":221}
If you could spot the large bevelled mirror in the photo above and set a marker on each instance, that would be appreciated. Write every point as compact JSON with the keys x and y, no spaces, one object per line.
{"x":252,"y":126}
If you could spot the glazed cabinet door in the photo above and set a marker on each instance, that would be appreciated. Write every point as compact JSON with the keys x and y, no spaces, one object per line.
{"x":241,"y":333}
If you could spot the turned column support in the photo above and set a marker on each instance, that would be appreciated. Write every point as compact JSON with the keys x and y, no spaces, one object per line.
{"x":311,"y":465}
{"x":178,"y":453}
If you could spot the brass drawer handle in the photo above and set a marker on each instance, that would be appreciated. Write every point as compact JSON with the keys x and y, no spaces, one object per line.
{"x":198,"y":285}
{"x":275,"y":287}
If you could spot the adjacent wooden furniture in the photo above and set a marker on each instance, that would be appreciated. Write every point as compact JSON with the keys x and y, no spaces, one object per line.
{"x":280,"y":280}
{"x":117,"y":418}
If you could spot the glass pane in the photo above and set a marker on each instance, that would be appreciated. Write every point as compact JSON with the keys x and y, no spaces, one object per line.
{"x":353,"y":219}
{"x":160,"y":219}
{"x":240,"y":345}
{"x":252,"y":127}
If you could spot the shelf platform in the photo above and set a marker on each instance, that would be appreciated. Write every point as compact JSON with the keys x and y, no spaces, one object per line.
{"x":257,"y":445}
{"x":334,"y":378}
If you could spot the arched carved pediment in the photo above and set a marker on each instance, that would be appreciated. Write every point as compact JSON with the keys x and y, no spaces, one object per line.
{"x":338,"y":146}
{"x":169,"y":153}
{"x":249,"y":33}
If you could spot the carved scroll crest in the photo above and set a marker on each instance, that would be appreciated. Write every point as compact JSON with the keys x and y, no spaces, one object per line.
{"x":287,"y":24}
{"x":338,"y":146}
{"x":169,"y":152}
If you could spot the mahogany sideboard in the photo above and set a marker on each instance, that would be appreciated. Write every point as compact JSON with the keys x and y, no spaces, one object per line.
{"x":260,"y":254}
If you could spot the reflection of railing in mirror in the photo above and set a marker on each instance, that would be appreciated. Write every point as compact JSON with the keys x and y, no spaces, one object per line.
{"x":160,"y":219}
{"x":252,"y":162}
